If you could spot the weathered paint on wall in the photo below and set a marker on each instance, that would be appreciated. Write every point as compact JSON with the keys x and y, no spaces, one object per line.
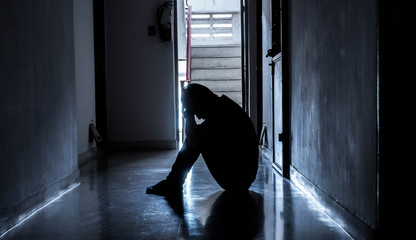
{"x":333,"y":100}
{"x":38,"y":136}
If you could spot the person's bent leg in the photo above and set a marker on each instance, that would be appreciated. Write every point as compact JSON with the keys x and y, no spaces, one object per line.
{"x":185,"y":159}
{"x":233,"y":171}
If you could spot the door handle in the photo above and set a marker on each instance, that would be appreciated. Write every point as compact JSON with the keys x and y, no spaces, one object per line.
{"x":281,"y":137}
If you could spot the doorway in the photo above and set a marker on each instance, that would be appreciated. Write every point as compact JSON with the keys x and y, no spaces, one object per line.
{"x":209,"y":49}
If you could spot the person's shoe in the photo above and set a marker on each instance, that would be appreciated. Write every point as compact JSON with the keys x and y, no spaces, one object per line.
{"x":165,"y":188}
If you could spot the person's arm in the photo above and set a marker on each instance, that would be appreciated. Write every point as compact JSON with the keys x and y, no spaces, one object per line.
{"x":193,"y":131}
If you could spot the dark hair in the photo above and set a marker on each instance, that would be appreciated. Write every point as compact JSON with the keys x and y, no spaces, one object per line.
{"x":199,"y":93}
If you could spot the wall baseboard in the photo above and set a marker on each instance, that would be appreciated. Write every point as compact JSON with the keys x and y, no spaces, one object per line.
{"x":16,"y":213}
{"x":142,"y":146}
{"x":266,"y":153}
{"x":355,"y":227}
{"x":87,"y":156}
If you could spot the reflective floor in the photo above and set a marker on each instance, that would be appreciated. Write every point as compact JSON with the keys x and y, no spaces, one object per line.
{"x":110,"y":203}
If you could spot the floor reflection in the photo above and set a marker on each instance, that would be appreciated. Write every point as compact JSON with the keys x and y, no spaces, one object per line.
{"x":111,"y":203}
{"x":223,"y":215}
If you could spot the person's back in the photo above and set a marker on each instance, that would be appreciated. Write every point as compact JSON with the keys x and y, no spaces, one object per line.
{"x":230,"y":145}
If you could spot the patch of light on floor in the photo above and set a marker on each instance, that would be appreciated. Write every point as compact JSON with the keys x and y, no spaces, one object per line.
{"x":187,"y":184}
{"x":316,"y":204}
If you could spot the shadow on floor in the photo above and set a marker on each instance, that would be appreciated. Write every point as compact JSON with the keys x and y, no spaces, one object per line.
{"x":223,"y":215}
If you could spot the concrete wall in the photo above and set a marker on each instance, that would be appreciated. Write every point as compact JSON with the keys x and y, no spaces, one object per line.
{"x":140,"y":77}
{"x":181,"y":25}
{"x":38,"y":136}
{"x":84,"y":71}
{"x":333,"y":99}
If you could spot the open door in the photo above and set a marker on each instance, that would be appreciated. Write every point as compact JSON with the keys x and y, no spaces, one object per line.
{"x":209,"y":49}
{"x":275,"y":144}
{"x":277,"y":112}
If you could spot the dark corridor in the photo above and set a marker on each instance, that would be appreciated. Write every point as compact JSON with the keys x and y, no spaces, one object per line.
{"x":111,"y":203}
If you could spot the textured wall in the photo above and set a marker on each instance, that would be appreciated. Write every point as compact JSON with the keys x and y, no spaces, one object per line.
{"x":38,"y":151}
{"x":333,"y":75}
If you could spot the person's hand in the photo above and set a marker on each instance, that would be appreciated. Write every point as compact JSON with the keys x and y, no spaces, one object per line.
{"x":191,"y":129}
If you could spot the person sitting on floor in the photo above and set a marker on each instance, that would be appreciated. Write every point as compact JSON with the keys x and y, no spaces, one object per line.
{"x":226,"y":139}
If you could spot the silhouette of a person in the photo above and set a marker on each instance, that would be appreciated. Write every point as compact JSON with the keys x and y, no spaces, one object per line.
{"x":226,"y":139}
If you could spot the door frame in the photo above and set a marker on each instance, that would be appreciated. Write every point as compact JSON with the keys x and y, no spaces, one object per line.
{"x":286,"y":84}
{"x":251,"y":61}
{"x":100,"y":71}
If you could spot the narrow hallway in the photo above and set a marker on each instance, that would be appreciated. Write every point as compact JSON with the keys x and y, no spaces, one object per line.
{"x":110,"y":203}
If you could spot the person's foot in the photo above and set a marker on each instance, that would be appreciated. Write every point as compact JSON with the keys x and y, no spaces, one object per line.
{"x":165,"y":188}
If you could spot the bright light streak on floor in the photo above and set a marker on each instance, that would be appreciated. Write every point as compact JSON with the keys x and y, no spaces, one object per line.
{"x":24,"y":218}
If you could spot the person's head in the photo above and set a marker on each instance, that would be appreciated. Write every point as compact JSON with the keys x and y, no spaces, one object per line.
{"x":198,"y":99}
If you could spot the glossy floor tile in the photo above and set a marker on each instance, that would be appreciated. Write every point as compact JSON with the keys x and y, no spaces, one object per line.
{"x":110,"y":203}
